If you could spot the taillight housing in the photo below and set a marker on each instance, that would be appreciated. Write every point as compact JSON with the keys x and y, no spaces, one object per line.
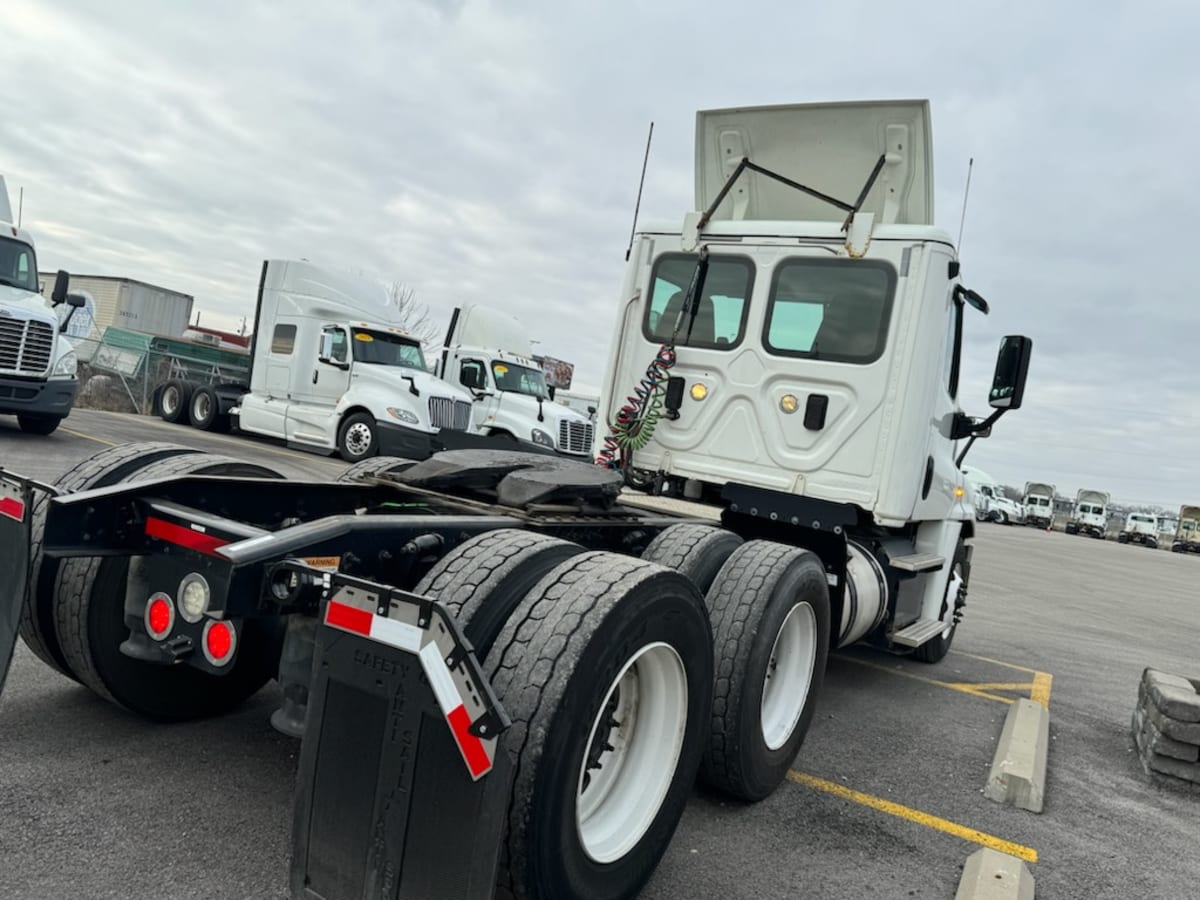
{"x":159,"y":617}
{"x":219,"y":642}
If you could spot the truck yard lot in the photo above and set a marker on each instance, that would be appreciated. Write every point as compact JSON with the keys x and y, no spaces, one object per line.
{"x":885,"y":798}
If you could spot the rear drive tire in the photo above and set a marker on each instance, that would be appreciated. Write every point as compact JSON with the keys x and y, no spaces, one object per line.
{"x":358,"y":438}
{"x":107,"y":467}
{"x":770,"y":613}
{"x":606,"y":671}
{"x":484,"y":579}
{"x":204,"y":409}
{"x":39,"y":424}
{"x":935,"y":650}
{"x":90,"y":622}
{"x":376,"y":465}
{"x":697,"y":551}
{"x":174,"y":400}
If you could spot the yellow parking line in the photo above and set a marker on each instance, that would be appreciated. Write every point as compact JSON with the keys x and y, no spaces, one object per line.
{"x":1028,"y":854}
{"x":994,"y":685}
{"x":949,"y":685}
{"x":87,"y":437}
{"x":1040,"y":691}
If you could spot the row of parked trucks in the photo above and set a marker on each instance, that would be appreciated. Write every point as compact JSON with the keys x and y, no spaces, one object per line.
{"x":507,"y":668}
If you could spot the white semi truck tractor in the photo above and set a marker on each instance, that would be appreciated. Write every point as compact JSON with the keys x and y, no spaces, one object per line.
{"x":1090,"y":515}
{"x":37,"y":362}
{"x":1187,"y":532}
{"x":1038,"y":501}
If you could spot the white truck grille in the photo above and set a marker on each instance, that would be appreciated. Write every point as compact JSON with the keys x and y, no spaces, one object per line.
{"x":575,"y":437}
{"x":452,"y":414}
{"x":25,"y":346}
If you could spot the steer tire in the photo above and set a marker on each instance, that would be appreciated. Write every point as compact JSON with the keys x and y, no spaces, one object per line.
{"x":749,"y":603}
{"x":107,"y":467}
{"x":484,"y":579}
{"x":552,"y":667}
{"x":697,"y":551}
{"x":90,"y":622}
{"x":375,"y":465}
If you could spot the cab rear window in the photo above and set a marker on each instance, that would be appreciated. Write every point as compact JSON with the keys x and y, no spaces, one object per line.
{"x":720,"y":319}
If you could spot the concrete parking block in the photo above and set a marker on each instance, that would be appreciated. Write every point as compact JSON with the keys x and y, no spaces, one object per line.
{"x":1163,"y":765}
{"x":1161,"y":744}
{"x":1018,"y":773}
{"x":1187,"y":732}
{"x":992,"y":875}
{"x":1174,"y":695}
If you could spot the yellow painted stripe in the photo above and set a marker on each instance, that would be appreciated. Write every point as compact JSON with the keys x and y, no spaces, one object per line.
{"x":87,"y":437}
{"x":915,"y":815}
{"x":949,"y":685}
{"x":1040,"y":691}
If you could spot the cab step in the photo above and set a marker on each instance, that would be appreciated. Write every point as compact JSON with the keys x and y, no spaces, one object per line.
{"x":918,"y":562}
{"x":918,"y":632}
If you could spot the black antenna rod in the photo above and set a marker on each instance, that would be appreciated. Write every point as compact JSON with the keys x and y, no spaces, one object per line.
{"x":966,"y":193}
{"x":641,"y":183}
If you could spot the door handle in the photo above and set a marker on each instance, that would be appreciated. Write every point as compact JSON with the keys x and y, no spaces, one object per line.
{"x":316,"y":374}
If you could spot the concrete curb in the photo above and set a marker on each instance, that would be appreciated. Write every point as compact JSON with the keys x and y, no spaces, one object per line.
{"x":1018,"y":774}
{"x":992,"y":875}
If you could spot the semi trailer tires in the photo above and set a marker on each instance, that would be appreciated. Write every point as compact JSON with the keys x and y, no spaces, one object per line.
{"x":204,"y":410}
{"x":89,"y":607}
{"x":935,"y":649}
{"x":173,"y":400}
{"x":484,"y":579}
{"x":39,"y":424}
{"x":358,"y":438}
{"x":770,"y":613}
{"x":697,"y":551}
{"x":606,"y":670}
{"x":376,"y":465}
{"x":106,"y":468}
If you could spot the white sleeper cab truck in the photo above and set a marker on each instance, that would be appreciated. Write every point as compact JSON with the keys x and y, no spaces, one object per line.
{"x":989,"y":500}
{"x":1090,"y":515}
{"x":1039,"y":504}
{"x":1187,"y":532}
{"x":791,"y":357}
{"x":331,"y":370}
{"x":37,"y":362}
{"x":488,"y":353}
{"x":1140,"y":528}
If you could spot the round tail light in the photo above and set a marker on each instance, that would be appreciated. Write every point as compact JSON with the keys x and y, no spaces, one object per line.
{"x":219,"y":642}
{"x":159,"y":616}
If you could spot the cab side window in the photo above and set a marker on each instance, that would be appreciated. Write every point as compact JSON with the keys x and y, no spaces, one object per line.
{"x":337,"y":343}
{"x":283,"y":340}
{"x":472,"y":373}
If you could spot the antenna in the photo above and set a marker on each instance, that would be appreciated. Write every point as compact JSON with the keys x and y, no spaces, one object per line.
{"x":966,"y":194}
{"x":641,"y":182}
{"x":20,"y":205}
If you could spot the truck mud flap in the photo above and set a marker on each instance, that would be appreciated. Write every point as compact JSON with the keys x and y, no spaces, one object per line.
{"x":16,"y":523}
{"x":403,"y":786}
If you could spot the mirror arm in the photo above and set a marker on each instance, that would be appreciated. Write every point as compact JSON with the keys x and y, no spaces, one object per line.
{"x":976,"y":431}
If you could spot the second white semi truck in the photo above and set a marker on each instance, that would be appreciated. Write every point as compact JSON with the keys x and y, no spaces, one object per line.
{"x":1140,"y":528}
{"x":1090,"y":515}
{"x":1038,"y":501}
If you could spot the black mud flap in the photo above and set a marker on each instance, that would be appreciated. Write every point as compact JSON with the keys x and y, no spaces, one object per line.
{"x":403,"y":787}
{"x":16,"y":523}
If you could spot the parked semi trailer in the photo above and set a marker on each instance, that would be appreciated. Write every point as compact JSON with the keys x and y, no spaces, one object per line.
{"x":1187,"y":532}
{"x":572,"y":639}
{"x":37,"y":362}
{"x":1038,"y":501}
{"x":1090,"y":514}
{"x":331,"y":370}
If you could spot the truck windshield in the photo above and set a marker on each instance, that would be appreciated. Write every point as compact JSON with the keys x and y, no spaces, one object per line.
{"x":520,"y":379}
{"x":383,"y":349}
{"x":17,"y":265}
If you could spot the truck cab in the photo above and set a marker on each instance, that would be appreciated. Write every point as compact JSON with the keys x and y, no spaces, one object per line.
{"x":1090,"y":515}
{"x":331,"y":368}
{"x":488,"y":353}
{"x":1039,"y":504}
{"x":793,"y":353}
{"x":37,"y":363}
{"x":1187,"y":531}
{"x":1140,"y":528}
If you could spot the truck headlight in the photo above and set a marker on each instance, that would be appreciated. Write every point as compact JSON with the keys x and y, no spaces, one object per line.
{"x":543,"y":438}
{"x":403,"y":415}
{"x":67,"y":366}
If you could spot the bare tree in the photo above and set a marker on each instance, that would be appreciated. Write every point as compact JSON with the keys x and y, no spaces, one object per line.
{"x":413,"y":314}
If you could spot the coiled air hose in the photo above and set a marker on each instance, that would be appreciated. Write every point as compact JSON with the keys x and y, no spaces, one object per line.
{"x":636,"y":420}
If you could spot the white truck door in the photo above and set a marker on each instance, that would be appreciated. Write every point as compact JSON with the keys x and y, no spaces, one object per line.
{"x":264,"y":411}
{"x":472,"y":373}
{"x":322,"y":378}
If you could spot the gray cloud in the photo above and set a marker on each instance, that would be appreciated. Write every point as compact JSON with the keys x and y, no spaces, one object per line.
{"x":489,"y":152}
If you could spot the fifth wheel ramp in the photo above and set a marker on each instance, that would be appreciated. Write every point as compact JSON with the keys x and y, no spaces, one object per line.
{"x":403,"y":787}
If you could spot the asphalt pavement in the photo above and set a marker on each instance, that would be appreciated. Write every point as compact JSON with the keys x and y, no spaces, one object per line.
{"x":885,"y":799}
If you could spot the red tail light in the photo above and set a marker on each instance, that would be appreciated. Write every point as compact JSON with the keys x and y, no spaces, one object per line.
{"x":220,"y":640}
{"x":160,"y":616}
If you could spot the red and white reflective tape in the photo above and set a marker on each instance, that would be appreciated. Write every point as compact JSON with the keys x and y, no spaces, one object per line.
{"x":409,"y":638}
{"x":13,"y":508}
{"x":193,"y":537}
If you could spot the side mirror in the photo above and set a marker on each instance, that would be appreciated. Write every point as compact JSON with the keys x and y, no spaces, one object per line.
{"x":1012,"y":368}
{"x":61,"y":282}
{"x":326,"y":353}
{"x":76,"y":300}
{"x":471,"y":378}
{"x":551,"y":389}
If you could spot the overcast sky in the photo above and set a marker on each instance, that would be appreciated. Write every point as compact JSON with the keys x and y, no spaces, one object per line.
{"x":489,"y":152}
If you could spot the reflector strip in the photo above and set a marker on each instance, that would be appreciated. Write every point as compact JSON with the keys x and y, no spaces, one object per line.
{"x":13,"y":508}
{"x":183,"y":537}
{"x":409,"y":638}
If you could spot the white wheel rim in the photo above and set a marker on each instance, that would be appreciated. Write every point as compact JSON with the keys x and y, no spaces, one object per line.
{"x":170,"y":400}
{"x":955,"y":586}
{"x":202,"y":407}
{"x":358,"y":438}
{"x":789,"y":675}
{"x":632,"y":752}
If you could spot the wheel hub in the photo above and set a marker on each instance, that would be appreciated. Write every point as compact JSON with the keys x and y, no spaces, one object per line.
{"x":358,"y":438}
{"x":789,"y":675}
